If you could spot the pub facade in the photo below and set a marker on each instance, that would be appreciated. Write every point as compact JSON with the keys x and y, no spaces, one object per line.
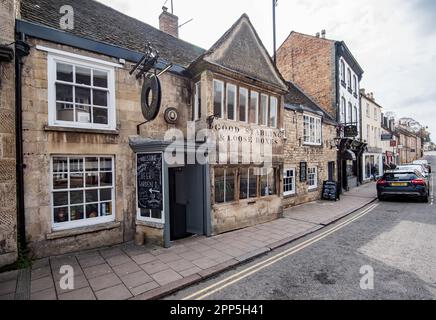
{"x":96,"y":174}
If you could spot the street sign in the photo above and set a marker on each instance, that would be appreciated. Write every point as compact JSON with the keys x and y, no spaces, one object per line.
{"x":350,"y":131}
{"x":394,"y":144}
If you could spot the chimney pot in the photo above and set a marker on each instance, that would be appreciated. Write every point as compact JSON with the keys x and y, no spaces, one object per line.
{"x":323,"y":33}
{"x":317,"y":34}
{"x":169,"y":22}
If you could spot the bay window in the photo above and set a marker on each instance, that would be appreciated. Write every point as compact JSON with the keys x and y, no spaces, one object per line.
{"x":312,"y":130}
{"x":224,"y":185}
{"x":254,"y":107}
{"x":267,"y":182}
{"x":231,"y":101}
{"x":247,"y":183}
{"x":82,"y":191}
{"x":263,"y":113}
{"x":197,"y":101}
{"x":243,"y":105}
{"x":81,"y":94}
{"x":218,"y":98}
{"x":273,"y":112}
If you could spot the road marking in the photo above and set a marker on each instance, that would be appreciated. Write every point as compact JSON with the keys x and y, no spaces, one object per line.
{"x":208,"y":291}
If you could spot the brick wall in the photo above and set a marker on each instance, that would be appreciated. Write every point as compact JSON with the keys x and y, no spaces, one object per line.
{"x":8,"y":217}
{"x":309,"y":62}
{"x":296,"y":152}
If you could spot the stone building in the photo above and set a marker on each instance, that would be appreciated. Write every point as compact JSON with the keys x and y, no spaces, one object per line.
{"x":371,"y":126}
{"x":310,"y":149}
{"x":389,"y":146}
{"x":328,"y":72}
{"x":8,"y":199}
{"x":84,"y":179}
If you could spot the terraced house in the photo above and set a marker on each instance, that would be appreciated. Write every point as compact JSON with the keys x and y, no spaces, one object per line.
{"x":96,"y":175}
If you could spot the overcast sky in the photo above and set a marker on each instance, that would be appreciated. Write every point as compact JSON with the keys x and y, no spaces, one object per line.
{"x":393,"y":40}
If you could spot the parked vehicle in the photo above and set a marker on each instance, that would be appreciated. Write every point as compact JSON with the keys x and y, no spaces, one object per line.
{"x":425,"y":163}
{"x":423,"y":170}
{"x":403,"y":183}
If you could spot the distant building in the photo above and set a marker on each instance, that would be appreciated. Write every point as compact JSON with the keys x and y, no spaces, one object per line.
{"x":373,"y":157}
{"x":327,"y":71}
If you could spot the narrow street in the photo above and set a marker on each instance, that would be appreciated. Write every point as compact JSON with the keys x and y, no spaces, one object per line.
{"x":397,"y":239}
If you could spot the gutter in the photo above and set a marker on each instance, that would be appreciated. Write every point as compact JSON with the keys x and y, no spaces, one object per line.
{"x":21,"y":50}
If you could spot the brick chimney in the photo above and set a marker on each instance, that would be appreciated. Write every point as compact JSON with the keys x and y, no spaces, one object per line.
{"x":169,"y":23}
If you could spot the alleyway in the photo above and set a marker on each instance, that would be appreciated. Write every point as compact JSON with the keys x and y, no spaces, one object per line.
{"x":128,"y":271}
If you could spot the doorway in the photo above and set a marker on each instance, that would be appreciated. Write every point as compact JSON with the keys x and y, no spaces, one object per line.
{"x":187,"y":201}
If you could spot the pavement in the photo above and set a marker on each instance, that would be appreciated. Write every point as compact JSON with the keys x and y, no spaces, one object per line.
{"x":141,"y":273}
{"x":386,"y":251}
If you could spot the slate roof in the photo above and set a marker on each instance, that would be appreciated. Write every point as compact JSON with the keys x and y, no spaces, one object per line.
{"x":96,"y":21}
{"x":241,"y":49}
{"x":297,"y":100}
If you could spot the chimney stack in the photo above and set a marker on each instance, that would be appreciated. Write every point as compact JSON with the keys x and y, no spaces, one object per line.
{"x":323,"y":33}
{"x":169,"y":23}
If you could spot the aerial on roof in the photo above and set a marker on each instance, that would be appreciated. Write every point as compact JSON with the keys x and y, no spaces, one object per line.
{"x":96,"y":21}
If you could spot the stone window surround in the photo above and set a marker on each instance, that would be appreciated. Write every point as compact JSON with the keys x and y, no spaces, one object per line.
{"x":315,"y":186}
{"x":318,"y":130}
{"x":237,"y":184}
{"x":251,"y":89}
{"x":59,"y":228}
{"x":294,"y":184}
{"x":55,"y":56}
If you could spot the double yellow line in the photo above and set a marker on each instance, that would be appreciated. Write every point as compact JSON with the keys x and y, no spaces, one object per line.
{"x":208,"y":291}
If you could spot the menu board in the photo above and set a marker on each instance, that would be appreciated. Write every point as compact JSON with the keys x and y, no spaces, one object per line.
{"x":330,"y":191}
{"x":149,"y":175}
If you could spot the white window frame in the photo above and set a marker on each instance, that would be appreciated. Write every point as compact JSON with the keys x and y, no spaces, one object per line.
{"x":235,"y":175}
{"x":236,"y":105}
{"x":221,"y":83}
{"x":272,"y":98}
{"x":317,"y":127}
{"x":349,"y":113}
{"x":315,"y":186}
{"x":285,"y":176}
{"x":257,"y":95}
{"x":197,"y":99}
{"x":138,"y":210}
{"x":83,"y":222}
{"x":82,"y":61}
{"x":265,"y":115}
{"x":342,"y":110}
{"x":242,"y":89}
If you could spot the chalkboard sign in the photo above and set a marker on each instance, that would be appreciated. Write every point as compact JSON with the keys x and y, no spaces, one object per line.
{"x":330,"y":191}
{"x":303,"y":171}
{"x":149,"y":175}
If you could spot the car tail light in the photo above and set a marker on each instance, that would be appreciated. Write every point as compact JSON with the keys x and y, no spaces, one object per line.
{"x":382,"y":182}
{"x":418,"y":182}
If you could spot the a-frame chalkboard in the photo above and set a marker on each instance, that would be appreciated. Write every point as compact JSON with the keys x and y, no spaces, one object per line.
{"x":149,"y":181}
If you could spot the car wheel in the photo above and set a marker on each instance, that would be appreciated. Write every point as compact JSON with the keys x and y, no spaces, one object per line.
{"x":425,"y":199}
{"x":380,"y":198}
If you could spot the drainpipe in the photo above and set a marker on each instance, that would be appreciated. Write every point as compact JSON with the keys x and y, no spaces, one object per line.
{"x":21,"y":50}
{"x":337,"y":108}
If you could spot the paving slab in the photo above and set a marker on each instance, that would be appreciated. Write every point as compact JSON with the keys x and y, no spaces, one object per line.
{"x":119,"y":292}
{"x":166,"y":277}
{"x":48,"y":294}
{"x":96,"y":271}
{"x":154,"y":267}
{"x":7,"y":287}
{"x":137,"y":279}
{"x":144,"y":288}
{"x":79,"y":295}
{"x":41,"y":284}
{"x":126,"y":269}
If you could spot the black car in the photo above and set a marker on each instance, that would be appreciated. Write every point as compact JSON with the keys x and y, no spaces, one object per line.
{"x":401,"y":183}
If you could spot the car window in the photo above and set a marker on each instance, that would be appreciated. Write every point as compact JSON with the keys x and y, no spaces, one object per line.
{"x":400,"y":176}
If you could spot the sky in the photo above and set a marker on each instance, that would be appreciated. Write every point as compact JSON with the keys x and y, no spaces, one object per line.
{"x":393,"y":40}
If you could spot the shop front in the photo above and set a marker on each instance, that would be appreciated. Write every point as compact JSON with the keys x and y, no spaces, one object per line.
{"x":373,"y":166}
{"x":350,"y":159}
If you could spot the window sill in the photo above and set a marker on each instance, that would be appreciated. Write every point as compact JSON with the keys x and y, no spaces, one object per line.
{"x":81,"y":231}
{"x":81,"y":130}
{"x":313,"y":189}
{"x":150,"y":224}
{"x":350,"y":90}
{"x":290,"y":196}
